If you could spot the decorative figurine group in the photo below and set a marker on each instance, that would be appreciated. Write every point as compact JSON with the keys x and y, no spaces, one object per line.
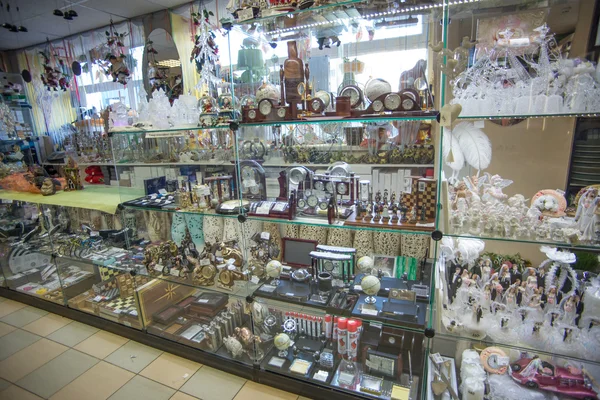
{"x":541,"y":308}
{"x":480,"y":208}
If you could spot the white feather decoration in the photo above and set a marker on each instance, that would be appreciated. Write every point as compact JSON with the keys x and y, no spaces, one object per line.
{"x":475,"y":145}
{"x":450,"y":142}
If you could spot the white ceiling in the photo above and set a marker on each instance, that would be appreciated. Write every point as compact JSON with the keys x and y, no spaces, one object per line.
{"x":37,"y":17}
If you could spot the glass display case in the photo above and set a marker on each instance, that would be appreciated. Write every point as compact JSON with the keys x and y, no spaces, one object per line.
{"x":517,"y":256}
{"x":389,"y":231}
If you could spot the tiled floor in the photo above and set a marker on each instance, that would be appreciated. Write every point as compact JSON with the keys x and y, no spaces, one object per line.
{"x":45,"y":356}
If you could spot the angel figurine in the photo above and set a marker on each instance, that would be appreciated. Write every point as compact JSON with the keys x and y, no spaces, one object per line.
{"x":493,"y":192}
{"x":585,"y":216}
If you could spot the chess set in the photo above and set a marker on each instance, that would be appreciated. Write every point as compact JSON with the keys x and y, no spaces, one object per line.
{"x":414,"y":210}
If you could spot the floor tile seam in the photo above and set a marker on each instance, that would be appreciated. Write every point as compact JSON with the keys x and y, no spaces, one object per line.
{"x":119,"y":388}
{"x":16,"y":326}
{"x":71,"y":381}
{"x":160,"y":383}
{"x":25,"y":389}
{"x":25,"y":348}
{"x":47,"y":334}
{"x":238,"y":392}
{"x":116,"y":365}
{"x":104,"y":358}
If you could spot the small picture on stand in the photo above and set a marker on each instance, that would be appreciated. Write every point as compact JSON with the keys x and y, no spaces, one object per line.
{"x":386,"y":264}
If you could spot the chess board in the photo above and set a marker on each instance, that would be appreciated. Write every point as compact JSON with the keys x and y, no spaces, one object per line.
{"x":426,"y":191}
{"x":107,"y":273}
{"x":423,"y":193}
{"x":125,"y":306}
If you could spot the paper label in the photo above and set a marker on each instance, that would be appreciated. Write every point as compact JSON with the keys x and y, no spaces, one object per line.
{"x":255,"y":280}
{"x":204,"y":262}
{"x":158,"y":267}
{"x":228,"y":206}
{"x":358,"y":288}
{"x":162,"y":191}
{"x":202,"y":301}
{"x":264,"y":208}
{"x":321,"y":375}
{"x":366,"y":311}
{"x":174,"y":272}
{"x":164,"y":134}
{"x":245,"y":14}
{"x":265,"y":236}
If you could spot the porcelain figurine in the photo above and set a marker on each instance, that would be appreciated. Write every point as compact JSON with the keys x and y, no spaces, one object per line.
{"x":586,"y":216}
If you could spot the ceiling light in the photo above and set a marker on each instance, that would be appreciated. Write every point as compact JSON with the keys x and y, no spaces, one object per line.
{"x":169,"y":63}
{"x":23,"y":29}
{"x":73,"y":13}
{"x":58,"y":13}
{"x":14,"y":28}
{"x":68,"y":16}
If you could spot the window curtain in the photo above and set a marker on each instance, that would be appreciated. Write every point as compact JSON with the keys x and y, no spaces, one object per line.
{"x":183,"y":36}
{"x":51,"y":110}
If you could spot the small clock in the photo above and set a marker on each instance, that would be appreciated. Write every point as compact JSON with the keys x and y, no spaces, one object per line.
{"x":301,"y":203}
{"x":316,"y":105}
{"x":323,"y":205}
{"x":319,"y":185}
{"x":392,"y":101}
{"x":377,"y":106}
{"x":282,"y":112}
{"x":355,"y":94}
{"x":407,"y":104}
{"x":410,"y":100}
{"x":328,"y":265}
{"x":252,"y":114}
{"x":265,"y":106}
{"x":329,"y":187}
{"x":312,"y":201}
{"x":253,"y":184}
{"x":342,"y":188}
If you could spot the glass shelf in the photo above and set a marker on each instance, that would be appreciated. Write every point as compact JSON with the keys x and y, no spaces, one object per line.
{"x":429,"y":116}
{"x":575,"y":246}
{"x":130,"y":130}
{"x":525,"y":116}
{"x":314,"y":221}
{"x":328,"y":6}
{"x":553,"y":352}
{"x":209,"y":212}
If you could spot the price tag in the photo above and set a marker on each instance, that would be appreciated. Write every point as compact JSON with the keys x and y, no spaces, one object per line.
{"x":245,"y":14}
{"x":158,"y":267}
{"x":228,"y":206}
{"x":264,"y":208}
{"x":358,"y":288}
{"x":202,"y":301}
{"x":265,"y":236}
{"x":367,"y":311}
{"x":204,"y":262}
{"x":321,"y":375}
{"x":174,"y":272}
{"x":255,"y":280}
{"x":94,"y":233}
